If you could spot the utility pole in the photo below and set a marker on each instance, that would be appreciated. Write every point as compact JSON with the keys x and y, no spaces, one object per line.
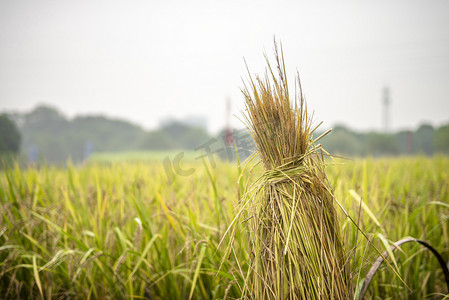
{"x":386,"y":108}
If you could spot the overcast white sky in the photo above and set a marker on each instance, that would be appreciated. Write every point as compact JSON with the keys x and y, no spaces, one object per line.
{"x":148,"y":60}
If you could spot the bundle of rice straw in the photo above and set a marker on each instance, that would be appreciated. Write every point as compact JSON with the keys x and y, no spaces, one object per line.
{"x":296,"y":249}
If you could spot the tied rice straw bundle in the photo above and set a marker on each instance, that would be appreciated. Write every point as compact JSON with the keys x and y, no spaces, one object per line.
{"x":296,"y":248}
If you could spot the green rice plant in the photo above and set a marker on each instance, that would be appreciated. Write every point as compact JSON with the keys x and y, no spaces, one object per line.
{"x":405,"y":197}
{"x":120,"y":231}
{"x":115,"y":231}
{"x":295,"y":244}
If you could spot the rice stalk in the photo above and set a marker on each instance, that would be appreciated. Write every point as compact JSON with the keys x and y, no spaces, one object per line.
{"x":295,"y":244}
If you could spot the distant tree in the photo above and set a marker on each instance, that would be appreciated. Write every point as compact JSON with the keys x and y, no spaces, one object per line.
{"x":378,"y":144}
{"x":194,"y":138}
{"x":341,"y":141}
{"x":157,"y":140}
{"x":45,"y":129}
{"x":404,"y":140}
{"x":423,"y":139}
{"x":441,"y":139}
{"x":9,"y":136}
{"x":56,"y":139}
{"x":44,"y":115}
{"x":105,"y":134}
{"x":185,"y":136}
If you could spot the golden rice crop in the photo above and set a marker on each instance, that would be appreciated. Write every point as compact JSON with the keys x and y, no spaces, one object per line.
{"x":295,"y":243}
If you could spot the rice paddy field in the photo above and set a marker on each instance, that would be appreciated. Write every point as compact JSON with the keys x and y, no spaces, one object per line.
{"x":126,"y":230}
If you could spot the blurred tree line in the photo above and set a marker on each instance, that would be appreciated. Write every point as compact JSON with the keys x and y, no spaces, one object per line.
{"x":10,"y":139}
{"x":9,"y":136}
{"x":45,"y":134}
{"x":426,"y":140}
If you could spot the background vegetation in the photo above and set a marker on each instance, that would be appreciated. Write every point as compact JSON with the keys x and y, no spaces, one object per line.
{"x":9,"y":136}
{"x":47,"y":135}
